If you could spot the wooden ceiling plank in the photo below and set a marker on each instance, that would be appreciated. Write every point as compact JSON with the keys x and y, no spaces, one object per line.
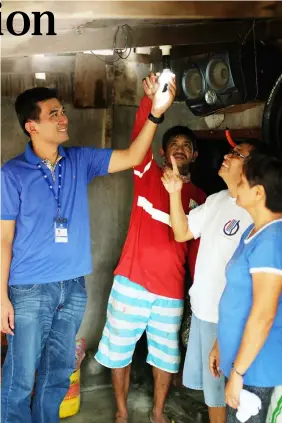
{"x":219,"y":134}
{"x":33,"y":64}
{"x":150,"y":10}
{"x":142,"y":36}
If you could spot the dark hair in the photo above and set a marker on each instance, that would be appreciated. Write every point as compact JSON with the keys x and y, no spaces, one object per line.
{"x":177,"y":131}
{"x":27,"y":107}
{"x":263,"y":168}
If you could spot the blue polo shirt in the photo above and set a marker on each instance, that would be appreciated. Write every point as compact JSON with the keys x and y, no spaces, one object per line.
{"x":259,"y":253}
{"x":27,"y":199}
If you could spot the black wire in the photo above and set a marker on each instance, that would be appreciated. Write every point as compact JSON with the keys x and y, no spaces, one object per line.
{"x":126,"y":49}
{"x":247,"y":34}
{"x":128,"y":41}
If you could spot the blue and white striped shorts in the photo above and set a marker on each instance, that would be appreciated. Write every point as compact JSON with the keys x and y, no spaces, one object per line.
{"x":132,"y":310}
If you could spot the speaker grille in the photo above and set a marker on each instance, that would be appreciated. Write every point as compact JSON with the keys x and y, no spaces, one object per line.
{"x":193,"y":83}
{"x":218,"y":74}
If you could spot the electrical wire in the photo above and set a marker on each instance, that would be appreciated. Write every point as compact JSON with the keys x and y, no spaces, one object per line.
{"x":122,"y":53}
{"x":249,"y":31}
{"x":126,"y":30}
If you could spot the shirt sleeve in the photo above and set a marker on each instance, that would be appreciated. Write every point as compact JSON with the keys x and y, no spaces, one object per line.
{"x":266,"y":257}
{"x":193,"y":244}
{"x":97,"y":161}
{"x":140,"y":119}
{"x":196,"y":219}
{"x":10,"y":197}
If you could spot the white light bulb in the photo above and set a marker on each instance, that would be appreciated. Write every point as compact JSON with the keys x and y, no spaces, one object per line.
{"x":165,"y":76}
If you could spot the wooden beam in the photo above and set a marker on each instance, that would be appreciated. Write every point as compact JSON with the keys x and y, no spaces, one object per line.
{"x":94,"y":10}
{"x":239,"y":108}
{"x":102,"y":38}
{"x":142,"y":35}
{"x":219,"y":134}
{"x":34,"y":64}
{"x":57,"y":64}
{"x":66,"y":41}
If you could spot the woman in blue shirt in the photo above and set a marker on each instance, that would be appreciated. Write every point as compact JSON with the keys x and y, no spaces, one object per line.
{"x":249,"y":346}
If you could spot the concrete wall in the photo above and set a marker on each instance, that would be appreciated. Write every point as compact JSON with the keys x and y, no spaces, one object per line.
{"x":109,"y":197}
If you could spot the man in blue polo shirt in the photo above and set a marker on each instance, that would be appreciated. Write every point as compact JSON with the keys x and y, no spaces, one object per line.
{"x":46,"y":250}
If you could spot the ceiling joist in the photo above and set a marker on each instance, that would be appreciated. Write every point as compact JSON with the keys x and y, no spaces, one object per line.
{"x":102,"y":38}
{"x":148,"y":9}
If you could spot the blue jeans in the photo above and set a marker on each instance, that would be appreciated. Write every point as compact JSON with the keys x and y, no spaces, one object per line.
{"x":47,"y":318}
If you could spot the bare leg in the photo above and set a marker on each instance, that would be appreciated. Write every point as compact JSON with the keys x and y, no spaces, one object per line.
{"x":127,"y":381}
{"x":121,"y":378}
{"x":217,"y":414}
{"x":162,"y":381}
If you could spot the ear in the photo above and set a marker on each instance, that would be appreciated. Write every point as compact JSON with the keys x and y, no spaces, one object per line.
{"x":162,"y":153}
{"x":195,"y":155}
{"x":260,"y":192}
{"x":30,"y":127}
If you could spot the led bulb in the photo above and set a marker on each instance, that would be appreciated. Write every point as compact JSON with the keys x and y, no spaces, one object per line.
{"x":165,"y":76}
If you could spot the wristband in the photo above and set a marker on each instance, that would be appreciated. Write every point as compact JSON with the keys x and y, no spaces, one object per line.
{"x":156,"y":120}
{"x":236,"y":371}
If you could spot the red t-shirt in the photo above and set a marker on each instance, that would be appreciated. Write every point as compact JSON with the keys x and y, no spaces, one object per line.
{"x":151,"y":257}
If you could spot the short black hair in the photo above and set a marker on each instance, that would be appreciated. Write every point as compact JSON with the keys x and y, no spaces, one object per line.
{"x":177,"y":131}
{"x":263,"y":168}
{"x":26,"y":104}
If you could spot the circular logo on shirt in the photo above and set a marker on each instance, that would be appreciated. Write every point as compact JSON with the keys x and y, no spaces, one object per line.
{"x":232,"y":227}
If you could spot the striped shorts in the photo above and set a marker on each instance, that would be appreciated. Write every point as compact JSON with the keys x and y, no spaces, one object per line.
{"x":132,"y":310}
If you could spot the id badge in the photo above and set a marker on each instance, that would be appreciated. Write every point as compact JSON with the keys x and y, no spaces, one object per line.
{"x":61,"y":229}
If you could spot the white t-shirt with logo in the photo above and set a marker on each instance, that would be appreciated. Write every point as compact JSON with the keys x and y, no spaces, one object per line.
{"x":220,"y":223}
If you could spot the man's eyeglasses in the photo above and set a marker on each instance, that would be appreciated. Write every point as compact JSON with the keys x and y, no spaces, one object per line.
{"x":237,"y":154}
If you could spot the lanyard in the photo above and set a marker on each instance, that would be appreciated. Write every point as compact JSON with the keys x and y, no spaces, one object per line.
{"x":50,"y":185}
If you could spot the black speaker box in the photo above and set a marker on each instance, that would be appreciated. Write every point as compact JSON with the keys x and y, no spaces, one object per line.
{"x":272,"y":118}
{"x":226,"y":76}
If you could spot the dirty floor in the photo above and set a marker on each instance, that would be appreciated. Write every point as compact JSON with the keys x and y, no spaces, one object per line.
{"x":98,"y":405}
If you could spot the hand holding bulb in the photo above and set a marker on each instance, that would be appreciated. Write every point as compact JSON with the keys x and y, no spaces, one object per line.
{"x":151,"y":84}
{"x":162,"y":100}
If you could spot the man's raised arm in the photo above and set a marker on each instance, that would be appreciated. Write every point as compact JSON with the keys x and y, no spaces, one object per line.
{"x":134,"y":155}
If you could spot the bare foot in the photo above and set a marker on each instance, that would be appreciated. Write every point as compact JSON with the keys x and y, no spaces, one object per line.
{"x":121,"y":419}
{"x":159,"y":419}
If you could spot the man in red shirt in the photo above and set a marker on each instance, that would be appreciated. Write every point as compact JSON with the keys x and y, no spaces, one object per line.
{"x":148,"y":289}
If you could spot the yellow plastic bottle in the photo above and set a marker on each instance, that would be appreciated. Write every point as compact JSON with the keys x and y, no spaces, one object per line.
{"x":71,"y":403}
